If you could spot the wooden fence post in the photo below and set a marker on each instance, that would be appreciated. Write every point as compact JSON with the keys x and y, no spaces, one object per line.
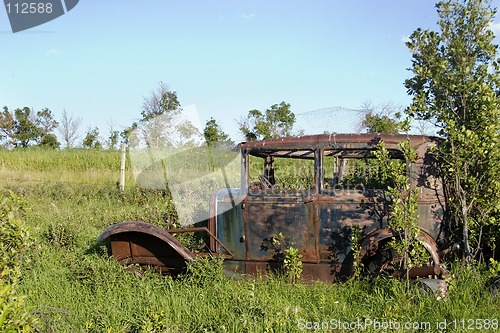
{"x":122,"y":167}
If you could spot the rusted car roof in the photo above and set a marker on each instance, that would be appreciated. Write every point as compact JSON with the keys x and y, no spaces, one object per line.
{"x":368,"y":138}
{"x":297,"y":146}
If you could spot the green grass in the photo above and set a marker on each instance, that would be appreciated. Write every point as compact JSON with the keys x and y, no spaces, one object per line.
{"x":72,"y":286}
{"x":35,"y":165}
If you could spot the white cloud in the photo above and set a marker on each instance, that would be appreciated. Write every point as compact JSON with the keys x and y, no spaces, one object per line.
{"x":495,"y":27}
{"x":53,"y":52}
{"x":248,"y":16}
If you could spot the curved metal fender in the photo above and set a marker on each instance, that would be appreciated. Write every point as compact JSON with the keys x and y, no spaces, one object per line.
{"x":147,"y":229}
{"x":370,"y":243}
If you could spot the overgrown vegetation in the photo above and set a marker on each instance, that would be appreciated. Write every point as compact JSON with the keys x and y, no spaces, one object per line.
{"x":14,"y":246}
{"x":384,"y":118}
{"x":403,"y":217}
{"x":455,"y":86}
{"x":288,"y":257}
{"x":71,"y":285}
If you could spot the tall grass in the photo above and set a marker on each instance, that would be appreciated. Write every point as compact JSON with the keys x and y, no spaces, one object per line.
{"x":34,"y":165}
{"x":72,"y":285}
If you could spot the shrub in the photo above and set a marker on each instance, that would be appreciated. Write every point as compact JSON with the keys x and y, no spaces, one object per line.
{"x":15,"y":238}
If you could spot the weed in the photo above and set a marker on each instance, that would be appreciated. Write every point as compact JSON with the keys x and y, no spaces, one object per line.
{"x":287,"y":256}
{"x":356,"y":237}
{"x":205,"y":271}
{"x":59,"y":235}
{"x":494,"y":267}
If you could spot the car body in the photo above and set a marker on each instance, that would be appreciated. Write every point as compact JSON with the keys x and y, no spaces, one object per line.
{"x":308,"y":189}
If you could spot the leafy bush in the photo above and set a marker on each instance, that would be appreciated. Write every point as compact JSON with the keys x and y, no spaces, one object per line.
{"x":14,"y":240}
{"x":403,"y":216}
{"x":288,"y":256}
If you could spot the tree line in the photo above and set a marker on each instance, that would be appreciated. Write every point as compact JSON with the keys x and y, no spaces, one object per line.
{"x":160,"y":117}
{"x":25,"y":127}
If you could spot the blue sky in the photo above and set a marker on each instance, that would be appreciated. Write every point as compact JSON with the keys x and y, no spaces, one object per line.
{"x":101,"y":59}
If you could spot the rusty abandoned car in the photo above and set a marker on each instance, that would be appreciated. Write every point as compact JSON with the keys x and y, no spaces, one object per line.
{"x":315,"y":190}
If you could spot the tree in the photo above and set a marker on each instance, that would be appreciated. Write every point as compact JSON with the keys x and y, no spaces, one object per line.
{"x":162,"y":123}
{"x":213,"y":133}
{"x":275,"y":122}
{"x":113,"y":137}
{"x":403,"y":206}
{"x":91,"y":139}
{"x":383,"y":118}
{"x":128,"y":135}
{"x":24,"y":127}
{"x":7,"y":126}
{"x":49,"y":141}
{"x":45,"y":121}
{"x":162,"y":101}
{"x":69,"y":128}
{"x":455,"y":85}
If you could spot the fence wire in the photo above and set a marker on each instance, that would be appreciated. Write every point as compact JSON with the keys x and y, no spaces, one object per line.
{"x":330,"y":120}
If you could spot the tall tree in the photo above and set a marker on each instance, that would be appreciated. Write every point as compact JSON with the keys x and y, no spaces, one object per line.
{"x":276,"y":121}
{"x":455,"y":85}
{"x":24,"y":127}
{"x":113,"y":137}
{"x":162,"y":123}
{"x":384,"y":118}
{"x":91,"y":139}
{"x":7,"y":127}
{"x":213,"y":133}
{"x":129,"y":134}
{"x":69,"y":128}
{"x":161,"y":101}
{"x":45,"y":121}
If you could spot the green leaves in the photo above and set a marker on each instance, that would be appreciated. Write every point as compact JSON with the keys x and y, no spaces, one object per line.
{"x":163,"y":123}
{"x":455,"y":81}
{"x":14,"y":240}
{"x":276,"y":121}
{"x":23,"y":127}
{"x":91,"y":139}
{"x":162,"y":101}
{"x":377,"y":123}
{"x":213,"y":133}
{"x":403,"y":207}
{"x":288,"y":256}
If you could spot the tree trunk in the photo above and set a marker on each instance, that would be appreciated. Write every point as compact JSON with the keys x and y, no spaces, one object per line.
{"x":465,"y":231}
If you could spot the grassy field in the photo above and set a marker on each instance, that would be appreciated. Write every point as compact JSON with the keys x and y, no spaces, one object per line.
{"x":72,"y":286}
